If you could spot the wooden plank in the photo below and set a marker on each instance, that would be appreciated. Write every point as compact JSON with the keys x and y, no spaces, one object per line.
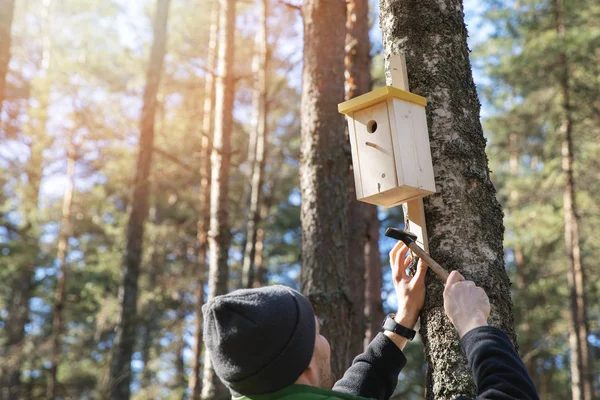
{"x":405,"y":138}
{"x":395,"y":142}
{"x":377,"y":166}
{"x":355,"y":157}
{"x":424,"y":171}
{"x":414,"y":210}
{"x":398,"y":71}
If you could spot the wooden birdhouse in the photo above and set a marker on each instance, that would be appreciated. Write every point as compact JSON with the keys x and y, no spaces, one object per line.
{"x":390,"y":146}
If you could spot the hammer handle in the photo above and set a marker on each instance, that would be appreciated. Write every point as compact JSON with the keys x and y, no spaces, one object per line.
{"x":435,"y":267}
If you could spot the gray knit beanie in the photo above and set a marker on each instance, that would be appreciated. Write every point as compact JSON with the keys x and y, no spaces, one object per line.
{"x":259,"y":340}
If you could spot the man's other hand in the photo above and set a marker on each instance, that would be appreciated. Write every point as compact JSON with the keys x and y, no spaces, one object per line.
{"x":410,"y":290}
{"x":466,"y":304}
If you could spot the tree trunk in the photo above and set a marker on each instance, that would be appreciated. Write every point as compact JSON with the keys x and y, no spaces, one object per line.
{"x":180,"y":379}
{"x":195,"y":381}
{"x":464,"y":220}
{"x":219,"y":236}
{"x":124,"y":342}
{"x":581,"y":365}
{"x":358,"y":81}
{"x":23,"y":284}
{"x":7,"y":9}
{"x":63,"y":237}
{"x":259,"y":70}
{"x":323,"y":161}
{"x":373,"y":278}
{"x":157,"y":259}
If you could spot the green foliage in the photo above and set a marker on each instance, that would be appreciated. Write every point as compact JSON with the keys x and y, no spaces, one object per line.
{"x":521,"y":61}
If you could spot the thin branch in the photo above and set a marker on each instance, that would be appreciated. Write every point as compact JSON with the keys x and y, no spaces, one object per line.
{"x":174,"y":158}
{"x":296,"y":7}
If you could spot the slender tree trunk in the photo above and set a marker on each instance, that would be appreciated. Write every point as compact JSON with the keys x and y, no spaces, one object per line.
{"x":373,"y":278}
{"x":464,"y":220}
{"x":219,"y":236}
{"x":261,"y":273}
{"x":195,"y":381}
{"x":154,"y":271}
{"x":581,"y":365}
{"x":7,"y":8}
{"x":23,"y":285}
{"x":120,"y":373}
{"x":323,"y":161}
{"x":63,"y":237}
{"x":358,"y":81}
{"x":181,"y":378}
{"x":259,"y":69}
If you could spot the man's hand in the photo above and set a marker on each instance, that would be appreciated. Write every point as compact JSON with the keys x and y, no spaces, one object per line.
{"x":410,"y":290}
{"x":466,"y":304}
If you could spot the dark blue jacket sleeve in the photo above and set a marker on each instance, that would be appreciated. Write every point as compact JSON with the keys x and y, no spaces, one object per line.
{"x":374,"y":373}
{"x":498,"y":371}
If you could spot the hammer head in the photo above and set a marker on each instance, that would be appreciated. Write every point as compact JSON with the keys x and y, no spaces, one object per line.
{"x":399,"y":234}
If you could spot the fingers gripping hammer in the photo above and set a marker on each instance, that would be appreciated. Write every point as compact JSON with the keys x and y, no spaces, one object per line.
{"x":410,"y":240}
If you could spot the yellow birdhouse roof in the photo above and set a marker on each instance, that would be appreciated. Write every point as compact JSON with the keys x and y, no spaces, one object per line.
{"x":377,"y":96}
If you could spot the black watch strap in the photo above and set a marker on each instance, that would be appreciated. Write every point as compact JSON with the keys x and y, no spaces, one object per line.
{"x":390,"y":325}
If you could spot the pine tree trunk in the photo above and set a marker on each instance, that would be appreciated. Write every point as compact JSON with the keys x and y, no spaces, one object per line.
{"x":581,"y":365}
{"x":7,"y":9}
{"x":195,"y":381}
{"x":373,"y":278}
{"x":63,"y":237}
{"x":358,"y":81}
{"x":464,"y":220}
{"x":157,"y":260}
{"x":323,"y":161}
{"x":261,"y":273}
{"x":120,"y":373}
{"x":180,"y":378}
{"x":219,"y":236}
{"x":22,"y":285}
{"x":259,"y":70}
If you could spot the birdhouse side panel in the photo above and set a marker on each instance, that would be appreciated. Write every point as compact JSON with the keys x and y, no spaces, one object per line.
{"x":424,"y":171}
{"x":355,"y":158}
{"x":403,"y":137}
{"x":375,"y":150}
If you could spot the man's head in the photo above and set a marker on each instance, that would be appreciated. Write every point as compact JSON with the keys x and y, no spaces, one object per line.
{"x":262,"y":340}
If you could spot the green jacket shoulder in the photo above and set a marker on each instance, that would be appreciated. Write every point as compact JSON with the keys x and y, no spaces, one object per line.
{"x":302,"y":392}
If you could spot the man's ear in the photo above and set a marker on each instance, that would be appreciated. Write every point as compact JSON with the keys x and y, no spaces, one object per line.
{"x":310,"y":376}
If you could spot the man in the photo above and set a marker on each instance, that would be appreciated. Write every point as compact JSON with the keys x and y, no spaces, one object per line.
{"x":265,"y":343}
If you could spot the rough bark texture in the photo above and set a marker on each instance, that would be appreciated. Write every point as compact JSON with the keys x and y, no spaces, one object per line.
{"x":63,"y":237}
{"x":464,"y":220}
{"x":357,"y":82}
{"x":259,"y":69}
{"x":581,"y":365}
{"x":219,"y":236}
{"x":373,"y":278}
{"x":7,"y":8}
{"x":195,"y":381}
{"x":323,"y":175}
{"x":120,"y":373}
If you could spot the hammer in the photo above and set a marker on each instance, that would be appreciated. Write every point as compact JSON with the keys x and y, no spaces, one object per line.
{"x":410,"y":240}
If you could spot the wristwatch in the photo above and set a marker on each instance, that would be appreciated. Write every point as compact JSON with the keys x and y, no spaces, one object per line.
{"x":389,"y":324}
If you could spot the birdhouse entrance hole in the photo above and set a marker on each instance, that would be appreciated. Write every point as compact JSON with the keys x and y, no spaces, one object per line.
{"x":371,"y":126}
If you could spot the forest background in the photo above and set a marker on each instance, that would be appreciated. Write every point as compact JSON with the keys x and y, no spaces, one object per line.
{"x":108,"y":120}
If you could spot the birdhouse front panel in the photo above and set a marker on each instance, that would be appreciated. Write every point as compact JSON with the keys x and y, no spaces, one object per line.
{"x":390,"y":146}
{"x":373,"y":139}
